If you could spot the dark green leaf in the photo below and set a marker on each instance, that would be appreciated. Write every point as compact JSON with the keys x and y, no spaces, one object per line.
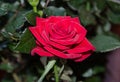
{"x":27,"y":42}
{"x":114,"y":5}
{"x":51,"y":10}
{"x":66,"y":77}
{"x":9,"y":7}
{"x":15,"y":23}
{"x":98,"y":69}
{"x":30,"y":78}
{"x":75,"y":4}
{"x":104,"y":43}
{"x":4,"y":8}
{"x":7,"y":67}
{"x":114,"y":18}
{"x":2,"y":12}
{"x":94,"y":79}
{"x":100,"y":4}
{"x":5,"y":80}
{"x":86,"y":16}
{"x":88,"y":73}
{"x":87,"y":19}
{"x":31,"y":17}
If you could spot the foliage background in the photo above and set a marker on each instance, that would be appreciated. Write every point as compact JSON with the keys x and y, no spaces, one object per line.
{"x":100,"y":17}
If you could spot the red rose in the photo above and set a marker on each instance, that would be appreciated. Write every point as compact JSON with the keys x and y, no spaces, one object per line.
{"x":61,"y":36}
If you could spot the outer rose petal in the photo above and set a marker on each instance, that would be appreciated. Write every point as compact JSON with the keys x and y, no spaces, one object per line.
{"x":62,"y":54}
{"x":84,"y":56}
{"x":76,"y":19}
{"x":55,"y":19}
{"x":41,"y":52}
{"x":84,"y":46}
{"x":40,"y":21}
{"x":56,"y":52}
{"x":81,"y":31}
{"x":73,"y":56}
{"x":37,"y":36}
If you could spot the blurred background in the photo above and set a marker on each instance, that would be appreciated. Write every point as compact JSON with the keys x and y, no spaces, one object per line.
{"x":101,"y":18}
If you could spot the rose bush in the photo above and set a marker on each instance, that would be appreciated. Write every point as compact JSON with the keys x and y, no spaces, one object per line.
{"x":61,"y":36}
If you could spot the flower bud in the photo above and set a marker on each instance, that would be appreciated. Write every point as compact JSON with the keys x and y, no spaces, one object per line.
{"x":33,"y":3}
{"x":40,"y":13}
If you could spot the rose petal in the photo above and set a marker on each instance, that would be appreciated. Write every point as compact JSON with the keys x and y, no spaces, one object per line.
{"x":56,"y":52}
{"x":84,"y":56}
{"x":36,"y":31}
{"x":37,"y":36}
{"x":62,"y":54}
{"x":76,"y":19}
{"x":62,"y":30}
{"x":73,"y":56}
{"x":55,"y":19}
{"x":38,"y":43}
{"x":58,"y":46}
{"x":40,"y":21}
{"x":66,"y":42}
{"x":84,"y":46}
{"x":40,"y":51}
{"x":80,"y":30}
{"x":45,"y":36}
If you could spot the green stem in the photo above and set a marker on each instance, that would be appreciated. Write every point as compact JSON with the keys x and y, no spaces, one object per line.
{"x":40,"y":13}
{"x":56,"y":74}
{"x":46,"y":4}
{"x":35,"y":9}
{"x":47,"y":69}
{"x":88,"y":6}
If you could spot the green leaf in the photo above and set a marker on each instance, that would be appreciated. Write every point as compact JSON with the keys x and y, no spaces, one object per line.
{"x":66,"y":77}
{"x":7,"y":67}
{"x":47,"y":69}
{"x":98,"y":69}
{"x":114,"y":5}
{"x":75,"y":4}
{"x":100,"y":4}
{"x":31,"y":17}
{"x":4,"y":8}
{"x":51,"y":10}
{"x":26,"y":43}
{"x":9,"y":7}
{"x":86,"y":17}
{"x":2,"y":12}
{"x":88,"y":73}
{"x":7,"y":80}
{"x":104,"y":43}
{"x":15,"y":23}
{"x":93,"y":79}
{"x":114,"y":18}
{"x":99,"y":30}
{"x":30,"y":78}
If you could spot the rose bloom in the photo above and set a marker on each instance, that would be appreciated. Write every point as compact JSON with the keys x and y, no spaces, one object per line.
{"x":61,"y":36}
